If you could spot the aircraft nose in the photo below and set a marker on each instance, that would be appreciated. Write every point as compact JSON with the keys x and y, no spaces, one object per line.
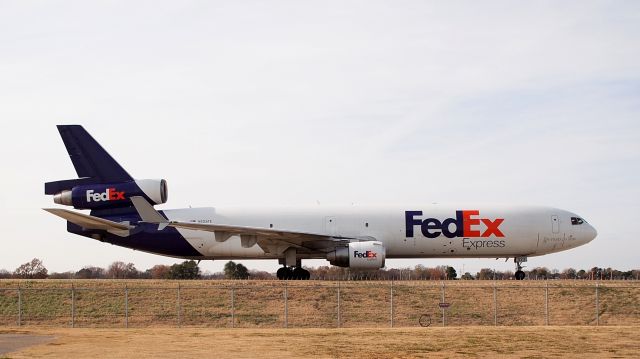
{"x":591,"y":233}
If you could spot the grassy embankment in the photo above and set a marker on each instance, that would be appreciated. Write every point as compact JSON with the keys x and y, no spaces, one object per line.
{"x":260,"y":304}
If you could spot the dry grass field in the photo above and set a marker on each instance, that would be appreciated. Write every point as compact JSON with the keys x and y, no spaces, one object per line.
{"x":314,"y":304}
{"x":433,"y":342}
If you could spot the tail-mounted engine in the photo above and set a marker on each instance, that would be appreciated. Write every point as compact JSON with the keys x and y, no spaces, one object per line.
{"x":359,"y":255}
{"x":94,"y":196}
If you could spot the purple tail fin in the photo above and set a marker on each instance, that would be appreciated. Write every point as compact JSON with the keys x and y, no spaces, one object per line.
{"x":92,"y":163}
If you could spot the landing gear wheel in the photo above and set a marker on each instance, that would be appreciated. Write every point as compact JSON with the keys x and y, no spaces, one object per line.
{"x":519,"y":273}
{"x":288,"y":274}
{"x":282,"y":273}
{"x":298,"y":273}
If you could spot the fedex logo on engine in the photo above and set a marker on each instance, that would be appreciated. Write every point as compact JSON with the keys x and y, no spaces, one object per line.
{"x":109,"y":195}
{"x":367,"y":254}
{"x":466,"y":224}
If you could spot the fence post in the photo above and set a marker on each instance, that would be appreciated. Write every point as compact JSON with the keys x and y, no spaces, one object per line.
{"x":179,"y":308}
{"x":597,"y":304}
{"x":233,"y":307}
{"x":495,"y":304}
{"x":286,"y":306}
{"x":19,"y":305}
{"x":339,"y":319}
{"x":443,"y":299}
{"x":73,"y":306}
{"x":546,"y":303}
{"x":126,"y":306}
{"x":391,"y":303}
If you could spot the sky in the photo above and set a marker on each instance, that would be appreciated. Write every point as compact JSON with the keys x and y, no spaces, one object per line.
{"x":330,"y":102}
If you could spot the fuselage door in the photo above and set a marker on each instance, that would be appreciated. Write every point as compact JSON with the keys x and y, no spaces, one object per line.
{"x":555,"y":224}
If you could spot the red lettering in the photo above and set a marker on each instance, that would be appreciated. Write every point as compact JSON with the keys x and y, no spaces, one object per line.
{"x":115,"y":195}
{"x":492,"y":227}
{"x":468,"y":222}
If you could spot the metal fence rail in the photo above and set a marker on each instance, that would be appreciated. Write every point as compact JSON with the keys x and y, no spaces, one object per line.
{"x":323,"y":304}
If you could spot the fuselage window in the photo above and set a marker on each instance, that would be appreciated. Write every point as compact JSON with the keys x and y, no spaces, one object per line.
{"x":576,"y":221}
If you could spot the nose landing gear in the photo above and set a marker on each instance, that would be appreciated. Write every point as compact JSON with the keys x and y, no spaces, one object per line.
{"x":519,"y":273}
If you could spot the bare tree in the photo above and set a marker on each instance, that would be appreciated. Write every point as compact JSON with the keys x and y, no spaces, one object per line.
{"x":4,"y":274}
{"x":90,"y":272}
{"x":120,"y":270}
{"x":256,"y":274}
{"x":31,"y":270}
{"x":569,"y":273}
{"x":485,"y":274}
{"x":159,"y":271}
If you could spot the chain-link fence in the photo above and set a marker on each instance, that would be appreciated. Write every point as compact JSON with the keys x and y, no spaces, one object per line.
{"x":320,"y":304}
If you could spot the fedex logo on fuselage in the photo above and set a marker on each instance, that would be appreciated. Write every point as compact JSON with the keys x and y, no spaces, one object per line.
{"x":109,"y":195}
{"x":466,"y":224}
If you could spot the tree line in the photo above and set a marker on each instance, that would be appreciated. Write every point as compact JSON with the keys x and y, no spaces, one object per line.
{"x":35,"y":269}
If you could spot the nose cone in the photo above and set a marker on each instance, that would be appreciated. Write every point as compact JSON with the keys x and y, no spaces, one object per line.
{"x":590,"y":233}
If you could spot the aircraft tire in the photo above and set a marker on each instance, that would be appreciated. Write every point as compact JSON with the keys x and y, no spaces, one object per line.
{"x":282,"y":273}
{"x":298,"y":273}
{"x":519,"y":275}
{"x":289,"y":274}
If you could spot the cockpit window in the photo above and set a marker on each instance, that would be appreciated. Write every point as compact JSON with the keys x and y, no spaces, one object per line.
{"x":576,"y":221}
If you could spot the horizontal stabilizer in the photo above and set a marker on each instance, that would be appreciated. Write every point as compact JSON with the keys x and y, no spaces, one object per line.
{"x":55,"y":187}
{"x":88,"y":222}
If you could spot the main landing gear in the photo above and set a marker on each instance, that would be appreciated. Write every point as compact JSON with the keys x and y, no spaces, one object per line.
{"x":519,"y":273}
{"x":292,"y":267}
{"x":293,"y":273}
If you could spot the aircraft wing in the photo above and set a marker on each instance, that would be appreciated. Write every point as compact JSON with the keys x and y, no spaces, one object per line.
{"x":269,"y":239}
{"x":254,"y":231}
{"x":88,"y":222}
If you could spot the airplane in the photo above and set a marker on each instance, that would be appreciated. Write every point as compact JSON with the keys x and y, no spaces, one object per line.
{"x":359,"y":237}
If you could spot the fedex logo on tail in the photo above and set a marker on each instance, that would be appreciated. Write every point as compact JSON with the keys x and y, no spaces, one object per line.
{"x":109,"y":195}
{"x":466,"y":224}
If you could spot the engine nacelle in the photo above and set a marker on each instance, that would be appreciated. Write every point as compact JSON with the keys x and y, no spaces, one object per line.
{"x":113,"y":195}
{"x":359,"y":255}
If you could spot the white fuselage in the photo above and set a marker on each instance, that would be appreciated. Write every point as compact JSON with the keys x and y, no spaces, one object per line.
{"x":488,"y":231}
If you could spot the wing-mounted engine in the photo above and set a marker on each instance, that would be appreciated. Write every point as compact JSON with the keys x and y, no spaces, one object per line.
{"x":115,"y":195}
{"x":359,"y":255}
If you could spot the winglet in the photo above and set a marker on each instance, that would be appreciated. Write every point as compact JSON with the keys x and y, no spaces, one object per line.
{"x":148,"y":213}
